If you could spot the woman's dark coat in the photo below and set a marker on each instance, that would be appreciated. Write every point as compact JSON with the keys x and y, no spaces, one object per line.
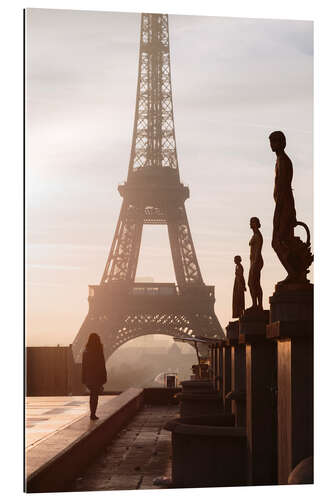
{"x":93,"y":368}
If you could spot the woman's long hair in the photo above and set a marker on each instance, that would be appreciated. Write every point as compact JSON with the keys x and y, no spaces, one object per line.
{"x":94,"y":343}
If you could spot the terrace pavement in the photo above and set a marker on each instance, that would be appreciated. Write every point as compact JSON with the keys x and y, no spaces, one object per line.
{"x":137,"y":455}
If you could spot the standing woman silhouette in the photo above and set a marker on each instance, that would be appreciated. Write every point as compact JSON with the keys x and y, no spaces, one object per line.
{"x":93,"y":370}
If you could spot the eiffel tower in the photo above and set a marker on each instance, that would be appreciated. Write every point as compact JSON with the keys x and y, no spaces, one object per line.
{"x":119,"y":308}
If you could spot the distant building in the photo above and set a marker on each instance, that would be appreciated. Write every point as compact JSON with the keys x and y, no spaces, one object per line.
{"x":51,"y":371}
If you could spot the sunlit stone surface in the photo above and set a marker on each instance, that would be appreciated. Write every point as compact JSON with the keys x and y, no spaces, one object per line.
{"x":48,"y":414}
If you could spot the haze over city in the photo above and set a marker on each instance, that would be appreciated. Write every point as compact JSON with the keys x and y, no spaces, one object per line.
{"x":229,"y":93}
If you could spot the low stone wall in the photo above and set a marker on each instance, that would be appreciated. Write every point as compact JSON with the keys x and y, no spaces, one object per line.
{"x":161,"y":395}
{"x":51,"y":465}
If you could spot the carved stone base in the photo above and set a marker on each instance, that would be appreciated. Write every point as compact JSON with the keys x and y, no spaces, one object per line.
{"x":291,"y":302}
{"x":199,"y":398}
{"x":201,"y":385}
{"x":260,"y":398}
{"x":292,"y":328}
{"x":232,"y":330}
{"x":196,"y":404}
{"x":207,"y":451}
{"x":237,"y":395}
{"x":226,"y":376}
{"x":238,"y":384}
{"x":252,"y":325}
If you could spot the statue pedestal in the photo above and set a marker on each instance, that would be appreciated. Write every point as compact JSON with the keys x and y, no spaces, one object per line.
{"x":260,"y":397}
{"x":198,"y":386}
{"x":238,"y":376}
{"x":198,"y":398}
{"x":291,"y":325}
{"x":291,"y":302}
{"x":207,"y":451}
{"x":226,"y":376}
{"x":216,"y":366}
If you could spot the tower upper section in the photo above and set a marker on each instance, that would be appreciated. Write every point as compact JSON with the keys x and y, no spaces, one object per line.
{"x":154,"y":143}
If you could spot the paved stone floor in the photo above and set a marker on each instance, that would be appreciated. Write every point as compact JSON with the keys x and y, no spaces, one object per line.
{"x":47,"y":415}
{"x":140,"y":453}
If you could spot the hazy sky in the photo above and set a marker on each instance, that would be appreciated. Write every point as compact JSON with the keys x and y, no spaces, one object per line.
{"x":234,"y":81}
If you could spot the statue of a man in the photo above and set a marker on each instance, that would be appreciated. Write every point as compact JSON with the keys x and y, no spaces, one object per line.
{"x":256,"y":264}
{"x":284,"y":220}
{"x":294,"y":254}
{"x":238,"y":301}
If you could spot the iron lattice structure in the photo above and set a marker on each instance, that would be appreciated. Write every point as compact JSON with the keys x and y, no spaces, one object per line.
{"x":119,"y":308}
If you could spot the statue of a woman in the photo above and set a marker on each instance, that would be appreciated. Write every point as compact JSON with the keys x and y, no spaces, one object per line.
{"x":238,"y":302}
{"x":256,"y":264}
